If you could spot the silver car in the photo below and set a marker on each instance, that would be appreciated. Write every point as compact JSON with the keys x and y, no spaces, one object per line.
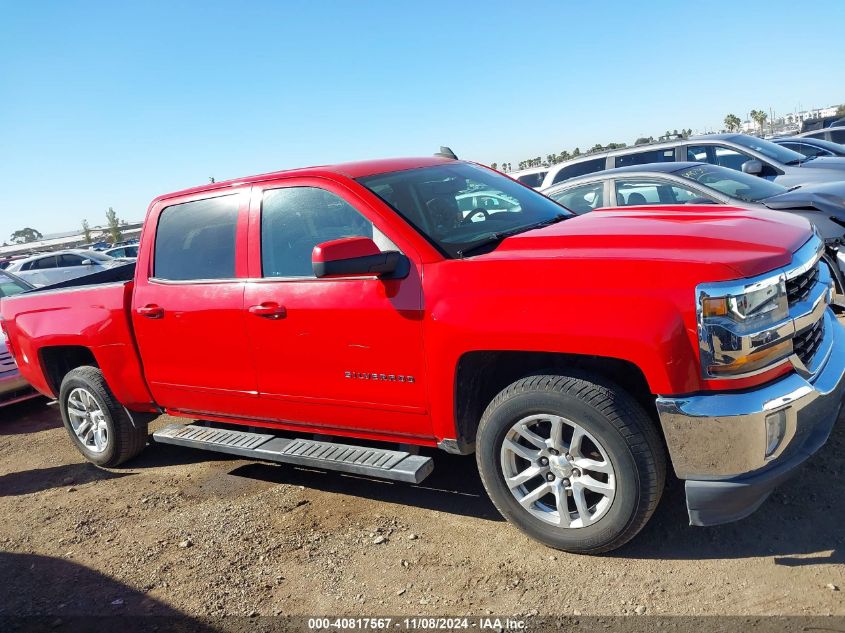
{"x":51,"y":268}
{"x":741,"y":152}
{"x":13,"y":388}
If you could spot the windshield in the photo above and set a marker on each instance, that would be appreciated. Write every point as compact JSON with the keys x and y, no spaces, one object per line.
{"x":732,"y":183}
{"x":767,"y":148}
{"x":460,"y":205}
{"x":11,"y":285}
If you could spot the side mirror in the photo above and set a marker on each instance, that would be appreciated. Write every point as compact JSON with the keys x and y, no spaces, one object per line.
{"x":87,"y":262}
{"x":752,"y":167}
{"x":357,"y":257}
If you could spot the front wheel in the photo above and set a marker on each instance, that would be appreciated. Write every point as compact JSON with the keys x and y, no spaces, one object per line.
{"x":101,"y":428}
{"x":572,"y":461}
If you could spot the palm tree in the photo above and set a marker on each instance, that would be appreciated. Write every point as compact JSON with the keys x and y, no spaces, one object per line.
{"x":733,"y":123}
{"x":759,"y":117}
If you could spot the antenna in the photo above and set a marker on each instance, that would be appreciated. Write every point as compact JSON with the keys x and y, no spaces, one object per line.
{"x":446,"y":152}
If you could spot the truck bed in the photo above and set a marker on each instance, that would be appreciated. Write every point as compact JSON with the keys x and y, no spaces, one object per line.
{"x":88,"y":317}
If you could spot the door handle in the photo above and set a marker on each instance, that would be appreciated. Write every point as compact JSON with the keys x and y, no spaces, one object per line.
{"x":269,"y":310}
{"x":151,"y":311}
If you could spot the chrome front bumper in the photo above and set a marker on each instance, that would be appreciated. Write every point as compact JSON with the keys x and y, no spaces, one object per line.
{"x":718,"y":442}
{"x":723,"y":435}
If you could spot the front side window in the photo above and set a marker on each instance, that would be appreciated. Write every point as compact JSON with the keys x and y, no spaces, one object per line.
{"x":837,"y":136}
{"x":638,"y":191}
{"x":729,"y":157}
{"x":580,"y":169}
{"x":767,"y":148}
{"x":581,"y":199}
{"x":295,"y":219}
{"x":643,"y":158}
{"x":196,"y":240}
{"x":434,"y":201}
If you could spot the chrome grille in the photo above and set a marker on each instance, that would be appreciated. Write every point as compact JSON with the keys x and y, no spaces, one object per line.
{"x":806,"y":342}
{"x":798,"y":288}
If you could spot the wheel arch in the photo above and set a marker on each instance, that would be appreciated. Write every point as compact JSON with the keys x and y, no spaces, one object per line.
{"x":481,"y":375}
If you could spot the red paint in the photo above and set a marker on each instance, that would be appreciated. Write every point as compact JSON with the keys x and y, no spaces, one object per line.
{"x":326,"y":354}
{"x":344,"y":248}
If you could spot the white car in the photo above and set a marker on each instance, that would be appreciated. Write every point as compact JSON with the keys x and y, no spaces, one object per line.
{"x":45,"y":269}
{"x":531,"y":177}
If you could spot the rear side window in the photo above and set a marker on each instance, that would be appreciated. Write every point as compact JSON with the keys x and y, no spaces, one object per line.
{"x":532,"y":180}
{"x":837,"y":136}
{"x":580,"y":169}
{"x":43,"y":264}
{"x":643,"y":158}
{"x":196,"y":240}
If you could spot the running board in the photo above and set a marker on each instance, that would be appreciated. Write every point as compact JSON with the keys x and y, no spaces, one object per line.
{"x":360,"y":460}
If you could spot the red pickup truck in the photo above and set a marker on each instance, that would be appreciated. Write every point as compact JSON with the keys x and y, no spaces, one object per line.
{"x":341,"y":317}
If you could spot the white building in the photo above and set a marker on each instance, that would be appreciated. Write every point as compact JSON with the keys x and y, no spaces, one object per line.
{"x":796,"y":118}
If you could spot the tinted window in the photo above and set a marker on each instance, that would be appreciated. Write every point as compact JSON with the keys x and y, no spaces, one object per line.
{"x":196,"y":240}
{"x":118,"y":252}
{"x":642,"y":158}
{"x":295,"y":219}
{"x":637,"y":191}
{"x":43,"y":263}
{"x":580,"y":169}
{"x":838,"y":136}
{"x":532,"y":180}
{"x":728,"y":157}
{"x":130,"y":251}
{"x":581,"y":199}
{"x":69,"y":260}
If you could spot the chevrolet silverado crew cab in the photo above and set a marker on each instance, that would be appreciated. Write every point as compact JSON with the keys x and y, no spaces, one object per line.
{"x":341,"y":317}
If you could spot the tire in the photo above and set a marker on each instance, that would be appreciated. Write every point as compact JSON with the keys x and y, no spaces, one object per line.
{"x":616,"y":436}
{"x":123,"y":434}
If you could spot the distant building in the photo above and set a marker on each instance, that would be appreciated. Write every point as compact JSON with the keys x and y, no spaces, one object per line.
{"x":75,"y":239}
{"x":796,"y":118}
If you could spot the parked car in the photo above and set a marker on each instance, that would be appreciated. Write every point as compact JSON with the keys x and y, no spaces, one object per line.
{"x":13,"y":386}
{"x":811,"y":147}
{"x":752,"y":155}
{"x":45,"y":269}
{"x":532,"y":177}
{"x":129,"y":252}
{"x":833,"y":134}
{"x":703,"y":184}
{"x":810,"y":125}
{"x":359,"y":301}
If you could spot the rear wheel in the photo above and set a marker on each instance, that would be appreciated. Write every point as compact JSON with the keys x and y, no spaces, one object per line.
{"x":572,"y":461}
{"x":105,"y":432}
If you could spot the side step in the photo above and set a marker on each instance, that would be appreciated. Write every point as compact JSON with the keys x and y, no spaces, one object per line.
{"x":373,"y":462}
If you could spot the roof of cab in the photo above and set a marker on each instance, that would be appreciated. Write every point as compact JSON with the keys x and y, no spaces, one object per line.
{"x":350,"y":170}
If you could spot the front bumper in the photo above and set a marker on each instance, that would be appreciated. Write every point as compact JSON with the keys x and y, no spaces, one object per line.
{"x":718,"y":442}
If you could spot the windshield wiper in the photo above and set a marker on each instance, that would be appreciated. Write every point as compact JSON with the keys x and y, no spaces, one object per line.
{"x":495,"y":238}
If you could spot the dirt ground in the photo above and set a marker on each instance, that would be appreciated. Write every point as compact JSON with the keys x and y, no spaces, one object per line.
{"x":190,"y":532}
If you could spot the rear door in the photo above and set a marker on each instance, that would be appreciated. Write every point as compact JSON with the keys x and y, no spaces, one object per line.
{"x":188,"y":305}
{"x":340,"y":354}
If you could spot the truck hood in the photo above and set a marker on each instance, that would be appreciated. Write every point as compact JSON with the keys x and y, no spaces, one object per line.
{"x":750,"y":242}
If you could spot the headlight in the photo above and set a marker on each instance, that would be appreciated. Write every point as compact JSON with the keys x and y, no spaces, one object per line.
{"x":743,"y":327}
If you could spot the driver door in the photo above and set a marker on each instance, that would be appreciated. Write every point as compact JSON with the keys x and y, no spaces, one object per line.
{"x":341,"y":354}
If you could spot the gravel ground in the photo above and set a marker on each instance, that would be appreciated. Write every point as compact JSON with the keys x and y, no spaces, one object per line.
{"x":183,"y":531}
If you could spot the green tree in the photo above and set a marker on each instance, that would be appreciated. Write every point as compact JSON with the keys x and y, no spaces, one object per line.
{"x":494,"y":166}
{"x":86,"y":232}
{"x":114,"y":225}
{"x":732,"y":123}
{"x":759,"y":117}
{"x":24,"y":236}
{"x":576,"y":152}
{"x":840,"y":111}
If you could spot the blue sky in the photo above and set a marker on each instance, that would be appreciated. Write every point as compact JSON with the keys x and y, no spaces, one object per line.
{"x":109,"y":104}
